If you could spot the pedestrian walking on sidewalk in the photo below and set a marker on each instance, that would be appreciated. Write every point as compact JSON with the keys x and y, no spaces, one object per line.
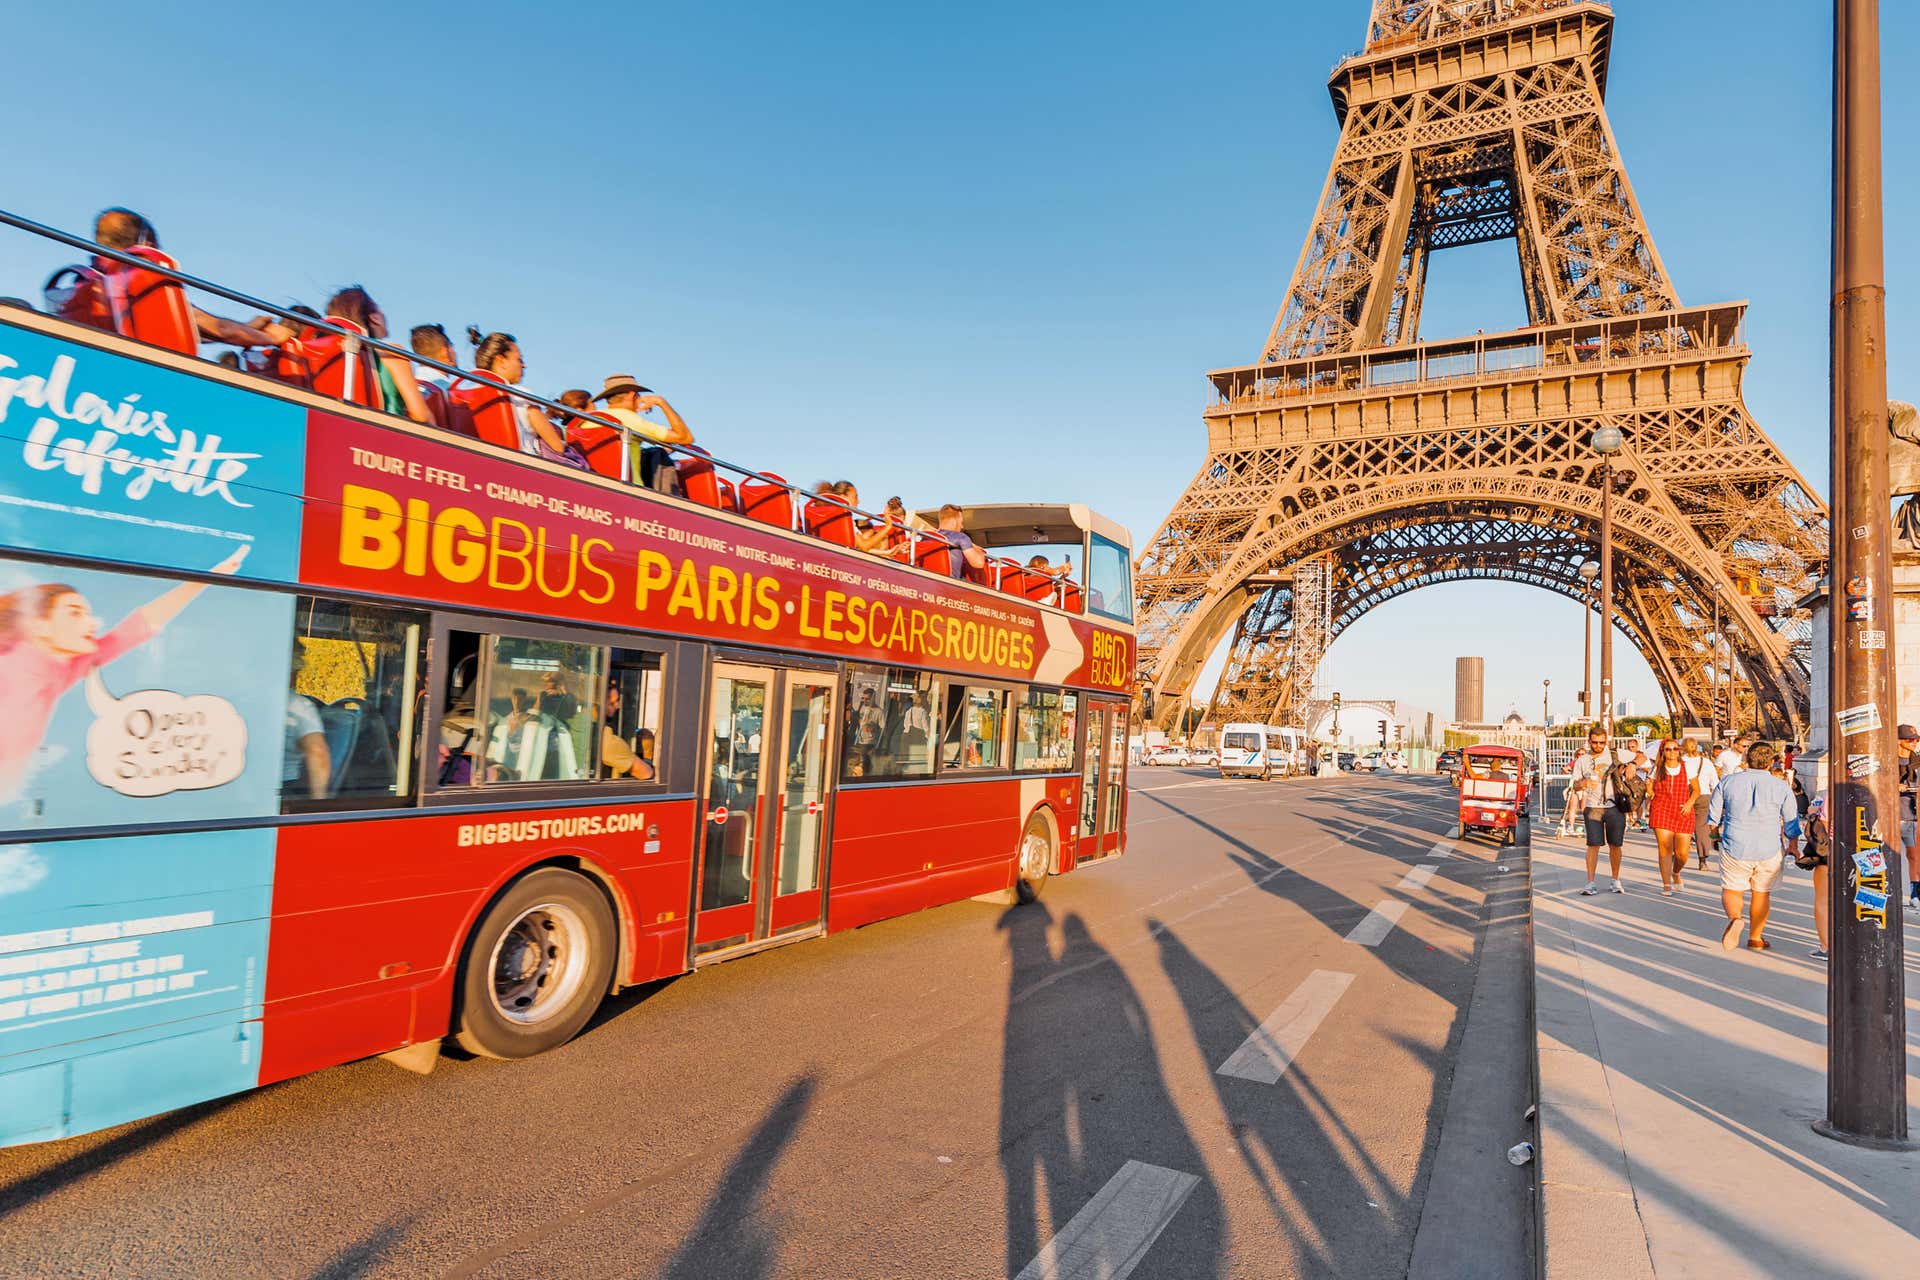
{"x":1671,"y":794}
{"x":1642,"y":774}
{"x":1815,"y":856}
{"x":1754,"y":814}
{"x":1597,"y":777}
{"x":1909,"y":748}
{"x":1705,"y":777}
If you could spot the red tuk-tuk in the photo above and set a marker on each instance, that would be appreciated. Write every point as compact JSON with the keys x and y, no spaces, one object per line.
{"x":1493,"y":790}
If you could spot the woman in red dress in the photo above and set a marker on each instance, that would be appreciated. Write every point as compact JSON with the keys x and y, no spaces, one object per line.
{"x":1671,"y":794}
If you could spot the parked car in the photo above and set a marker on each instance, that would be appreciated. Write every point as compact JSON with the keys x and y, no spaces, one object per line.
{"x":1166,"y":753}
{"x":1346,"y":761}
{"x":1368,"y":763}
{"x":1448,"y":763}
{"x":1393,"y":762}
{"x":1205,"y":755}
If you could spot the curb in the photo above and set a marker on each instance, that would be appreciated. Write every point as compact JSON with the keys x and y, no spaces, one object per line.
{"x":1587,"y":1217}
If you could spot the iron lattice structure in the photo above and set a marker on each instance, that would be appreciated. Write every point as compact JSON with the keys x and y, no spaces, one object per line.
{"x":1408,"y":463}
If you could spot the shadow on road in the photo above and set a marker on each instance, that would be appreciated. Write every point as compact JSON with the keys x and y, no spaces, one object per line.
{"x":361,"y":1256}
{"x":733,"y":1237}
{"x":1083,"y":1092}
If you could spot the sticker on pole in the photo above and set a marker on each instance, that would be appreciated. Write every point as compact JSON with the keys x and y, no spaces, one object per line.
{"x":1870,"y":639}
{"x":1870,"y":899}
{"x":1862,"y":766}
{"x":1860,"y":610}
{"x":1871,"y":862}
{"x":1864,"y":718}
{"x":1859,"y":588}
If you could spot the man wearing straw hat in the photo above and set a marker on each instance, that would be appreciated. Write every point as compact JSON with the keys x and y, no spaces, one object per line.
{"x":651,"y":464}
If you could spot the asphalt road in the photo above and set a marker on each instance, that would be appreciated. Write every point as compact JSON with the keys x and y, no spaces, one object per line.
{"x":972,"y":1091}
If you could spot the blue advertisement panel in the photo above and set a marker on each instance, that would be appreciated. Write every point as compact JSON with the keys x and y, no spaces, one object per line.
{"x":131,"y":976}
{"x":102,"y":455}
{"x":138,"y":700}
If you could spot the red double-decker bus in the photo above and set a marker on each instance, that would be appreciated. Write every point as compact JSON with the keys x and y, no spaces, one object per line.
{"x":324,"y":734}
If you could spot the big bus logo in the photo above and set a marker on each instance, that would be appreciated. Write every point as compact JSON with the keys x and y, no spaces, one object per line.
{"x":1107,"y":665}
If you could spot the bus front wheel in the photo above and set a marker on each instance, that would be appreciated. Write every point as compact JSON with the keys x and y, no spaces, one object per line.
{"x":536,"y":967}
{"x":1036,"y":859}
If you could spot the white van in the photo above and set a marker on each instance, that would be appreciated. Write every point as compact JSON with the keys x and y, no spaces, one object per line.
{"x":1283,"y":750}
{"x":1243,"y":751}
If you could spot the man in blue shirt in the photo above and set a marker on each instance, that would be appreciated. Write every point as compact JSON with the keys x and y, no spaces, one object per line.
{"x":1754,"y":815}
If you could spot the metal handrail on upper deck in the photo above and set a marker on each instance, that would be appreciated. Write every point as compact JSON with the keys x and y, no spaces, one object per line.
{"x":302,"y":321}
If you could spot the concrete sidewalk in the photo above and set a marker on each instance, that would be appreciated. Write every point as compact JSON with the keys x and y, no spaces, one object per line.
{"x":1678,"y":1084}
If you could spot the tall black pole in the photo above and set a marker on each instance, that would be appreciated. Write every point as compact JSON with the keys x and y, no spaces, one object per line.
{"x":1866,"y":1013}
{"x":1606,"y":595}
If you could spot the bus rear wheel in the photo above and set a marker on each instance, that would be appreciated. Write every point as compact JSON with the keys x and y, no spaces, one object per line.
{"x":1036,"y":859}
{"x":536,"y":966}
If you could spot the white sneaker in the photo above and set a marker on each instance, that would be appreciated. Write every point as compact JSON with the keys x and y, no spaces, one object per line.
{"x":1590,"y":890}
{"x":1618,"y":887}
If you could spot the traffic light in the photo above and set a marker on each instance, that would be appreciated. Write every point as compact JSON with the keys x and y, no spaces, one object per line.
{"x":1383,"y":735}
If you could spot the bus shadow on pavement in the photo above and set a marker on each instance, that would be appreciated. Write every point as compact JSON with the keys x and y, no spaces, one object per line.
{"x":1083,"y":1093}
{"x":733,"y":1238}
{"x":99,"y":1155}
{"x":362,"y":1256}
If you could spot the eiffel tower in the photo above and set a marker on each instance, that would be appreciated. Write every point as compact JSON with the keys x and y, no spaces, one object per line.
{"x":1401,"y":462}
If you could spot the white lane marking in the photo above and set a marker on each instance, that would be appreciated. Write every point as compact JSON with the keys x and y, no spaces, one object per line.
{"x":1109,"y":1237}
{"x":1417,"y":878}
{"x":1442,"y":850}
{"x":1378,"y":924}
{"x":1271,"y":1049}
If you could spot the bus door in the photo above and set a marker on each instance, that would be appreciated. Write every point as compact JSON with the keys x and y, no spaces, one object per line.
{"x":764,"y":806}
{"x":1103,"y":781}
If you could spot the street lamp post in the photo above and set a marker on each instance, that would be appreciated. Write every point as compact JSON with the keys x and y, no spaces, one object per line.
{"x":1589,"y":570}
{"x":1866,"y":1008}
{"x":1545,"y":713}
{"x":1713,"y":668}
{"x":1607,"y":441}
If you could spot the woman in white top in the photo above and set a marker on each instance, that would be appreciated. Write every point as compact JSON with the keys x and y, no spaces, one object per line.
{"x":1700,"y":771}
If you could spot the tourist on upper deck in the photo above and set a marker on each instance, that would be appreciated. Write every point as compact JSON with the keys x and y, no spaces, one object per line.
{"x":498,"y":356}
{"x":627,"y":401}
{"x":399,"y":391}
{"x":594,"y":434}
{"x":970,"y":556}
{"x":876,"y":538}
{"x":123,"y":229}
{"x":431,"y":341}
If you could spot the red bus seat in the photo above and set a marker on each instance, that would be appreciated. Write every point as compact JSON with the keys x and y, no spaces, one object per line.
{"x":342,"y":369}
{"x":131,"y":301}
{"x":490,"y":409}
{"x":439,"y":406}
{"x":598,"y":438}
{"x":767,"y":500}
{"x":830,"y":520}
{"x":1042,"y":587}
{"x":1009,"y":575}
{"x":935,"y":554}
{"x":1070,"y":597}
{"x":701,"y":483}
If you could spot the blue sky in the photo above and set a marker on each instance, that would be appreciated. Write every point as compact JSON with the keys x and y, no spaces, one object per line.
{"x":960,"y":254}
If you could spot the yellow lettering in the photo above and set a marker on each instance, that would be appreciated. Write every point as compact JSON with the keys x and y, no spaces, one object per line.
{"x":830,"y":616}
{"x":806,"y":610}
{"x":686,"y":592}
{"x":586,"y":562}
{"x":856,"y":620}
{"x":502,"y":553}
{"x":369,"y":528}
{"x":722,"y":586}
{"x":651,"y":571}
{"x":454,"y":560}
{"x":764,"y":593}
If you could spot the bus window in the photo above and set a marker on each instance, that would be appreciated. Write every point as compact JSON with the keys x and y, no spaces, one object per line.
{"x":973,"y":722}
{"x":540,"y":713}
{"x":1043,"y":731}
{"x":1109,"y":580}
{"x":889,"y":724}
{"x":353,"y":705}
{"x":628,"y":743}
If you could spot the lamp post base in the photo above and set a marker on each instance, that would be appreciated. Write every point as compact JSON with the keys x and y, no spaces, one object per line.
{"x":1826,"y":1129}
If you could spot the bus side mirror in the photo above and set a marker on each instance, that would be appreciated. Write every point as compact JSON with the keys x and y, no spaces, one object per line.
{"x":1146,"y":702}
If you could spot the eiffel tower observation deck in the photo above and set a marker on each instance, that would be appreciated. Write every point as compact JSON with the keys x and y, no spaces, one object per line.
{"x":1411,"y":460}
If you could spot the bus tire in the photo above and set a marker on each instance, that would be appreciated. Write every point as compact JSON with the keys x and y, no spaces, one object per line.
{"x":536,"y":966}
{"x":1036,"y":859}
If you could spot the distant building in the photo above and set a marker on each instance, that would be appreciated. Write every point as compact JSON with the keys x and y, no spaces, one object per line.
{"x":1622,"y":708}
{"x":1469,"y":690}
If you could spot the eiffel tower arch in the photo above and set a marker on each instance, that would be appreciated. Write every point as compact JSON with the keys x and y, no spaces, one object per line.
{"x":1390,"y":463}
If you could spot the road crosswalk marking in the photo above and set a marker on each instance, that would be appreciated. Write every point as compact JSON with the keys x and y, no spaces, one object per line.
{"x":1372,"y":931}
{"x":1109,"y":1237}
{"x":1274,"y":1044}
{"x":1417,"y":878}
{"x":1444,"y":849}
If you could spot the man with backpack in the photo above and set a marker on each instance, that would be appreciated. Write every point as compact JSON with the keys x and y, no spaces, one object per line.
{"x":1604,"y":782}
